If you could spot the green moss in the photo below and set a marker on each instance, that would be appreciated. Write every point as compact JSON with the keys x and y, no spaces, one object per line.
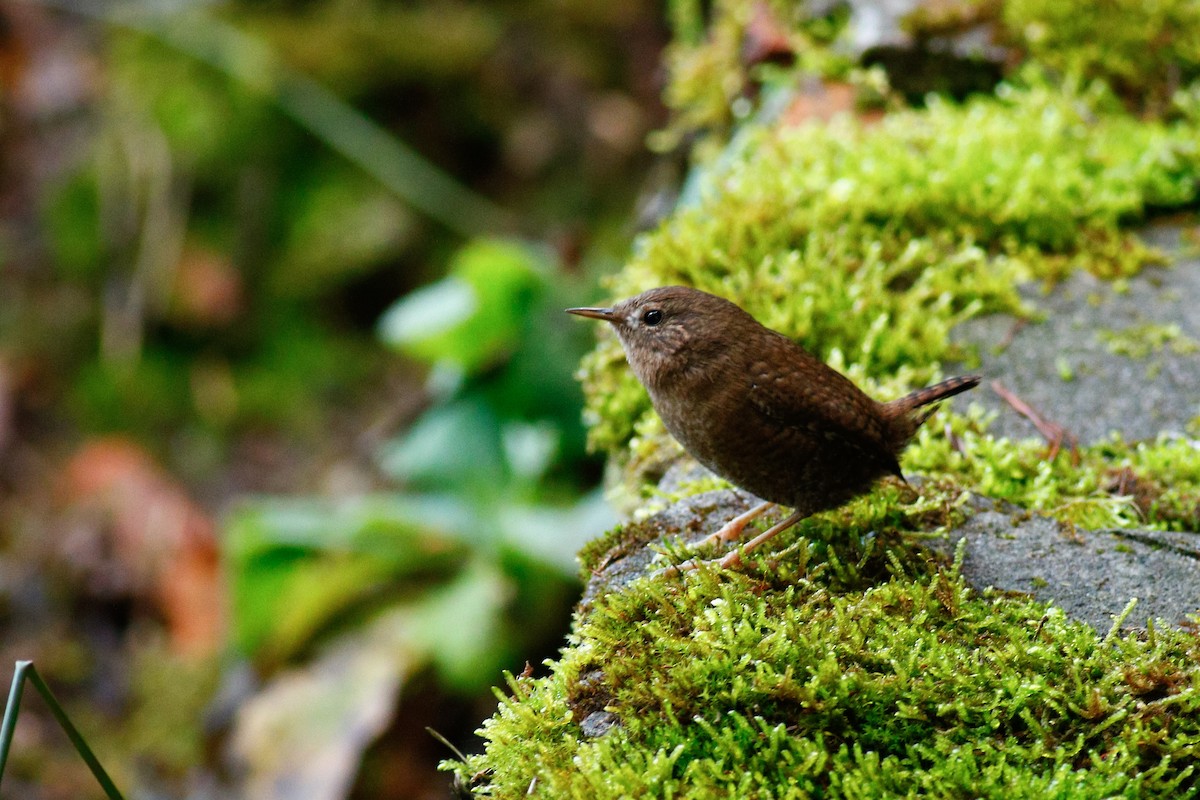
{"x":849,"y":666}
{"x":710,"y":80}
{"x":1143,"y":49}
{"x":1112,"y":484}
{"x":797,"y":681}
{"x":1139,"y":341}
{"x":846,"y":664}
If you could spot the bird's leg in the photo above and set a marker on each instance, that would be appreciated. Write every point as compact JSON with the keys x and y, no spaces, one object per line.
{"x":732,"y":530}
{"x":734,"y":557}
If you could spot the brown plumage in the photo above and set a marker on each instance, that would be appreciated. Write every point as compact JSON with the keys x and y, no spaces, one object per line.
{"x":756,"y":408}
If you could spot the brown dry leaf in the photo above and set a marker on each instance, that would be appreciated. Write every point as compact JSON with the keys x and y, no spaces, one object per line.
{"x":209,"y":291}
{"x":142,"y":535}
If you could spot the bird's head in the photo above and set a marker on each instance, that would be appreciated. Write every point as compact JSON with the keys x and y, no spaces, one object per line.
{"x":671,"y":329}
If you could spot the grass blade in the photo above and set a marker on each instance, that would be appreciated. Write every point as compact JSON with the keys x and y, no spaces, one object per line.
{"x":25,"y":669}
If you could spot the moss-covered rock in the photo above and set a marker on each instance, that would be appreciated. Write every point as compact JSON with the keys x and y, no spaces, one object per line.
{"x":849,"y":662}
{"x":848,"y":669}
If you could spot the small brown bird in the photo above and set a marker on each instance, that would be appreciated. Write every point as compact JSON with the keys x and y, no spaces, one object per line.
{"x":760,"y":411}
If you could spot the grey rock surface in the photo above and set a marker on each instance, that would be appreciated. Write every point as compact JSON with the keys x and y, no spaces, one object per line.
{"x":598,"y":723}
{"x":1091,"y":575}
{"x":1086,"y":319}
{"x":1107,"y":357}
{"x":689,"y":520}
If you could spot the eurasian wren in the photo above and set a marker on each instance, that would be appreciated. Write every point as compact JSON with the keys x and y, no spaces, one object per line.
{"x":760,"y":411}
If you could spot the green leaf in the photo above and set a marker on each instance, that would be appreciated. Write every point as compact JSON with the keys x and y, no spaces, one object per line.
{"x":463,"y":625}
{"x":553,"y":535}
{"x":296,"y":566}
{"x":530,"y":448}
{"x":455,"y":446}
{"x":473,"y":317}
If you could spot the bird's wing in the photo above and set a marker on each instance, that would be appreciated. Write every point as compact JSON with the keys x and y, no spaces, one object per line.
{"x":796,"y":391}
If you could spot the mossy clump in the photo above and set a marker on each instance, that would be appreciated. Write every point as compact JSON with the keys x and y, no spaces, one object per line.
{"x":1110,"y":484}
{"x":813,"y":677}
{"x":727,"y":56}
{"x":1144,"y":50}
{"x":1140,"y":341}
{"x":713,"y":76}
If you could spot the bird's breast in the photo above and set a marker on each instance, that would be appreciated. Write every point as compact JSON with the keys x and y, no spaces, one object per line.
{"x":708,"y":413}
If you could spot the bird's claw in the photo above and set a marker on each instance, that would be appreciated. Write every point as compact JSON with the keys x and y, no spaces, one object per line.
{"x":730,"y":560}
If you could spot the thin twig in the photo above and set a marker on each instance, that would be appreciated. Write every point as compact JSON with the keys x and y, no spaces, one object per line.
{"x":1012,"y":334}
{"x":1055,"y":435}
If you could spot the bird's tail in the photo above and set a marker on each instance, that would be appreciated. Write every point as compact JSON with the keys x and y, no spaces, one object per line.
{"x":939,"y":391}
{"x":901,"y":410}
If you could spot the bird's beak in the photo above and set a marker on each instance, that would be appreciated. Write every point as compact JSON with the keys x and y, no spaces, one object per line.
{"x":605,"y":314}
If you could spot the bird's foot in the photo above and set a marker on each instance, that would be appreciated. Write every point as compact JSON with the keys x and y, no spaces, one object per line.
{"x":734,"y":557}
{"x":732,"y":531}
{"x":730,"y":560}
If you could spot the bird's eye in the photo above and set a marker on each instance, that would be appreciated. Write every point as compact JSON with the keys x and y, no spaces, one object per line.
{"x":652,"y":317}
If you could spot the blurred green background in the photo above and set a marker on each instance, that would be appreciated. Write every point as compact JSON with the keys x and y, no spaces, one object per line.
{"x":289,"y":433}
